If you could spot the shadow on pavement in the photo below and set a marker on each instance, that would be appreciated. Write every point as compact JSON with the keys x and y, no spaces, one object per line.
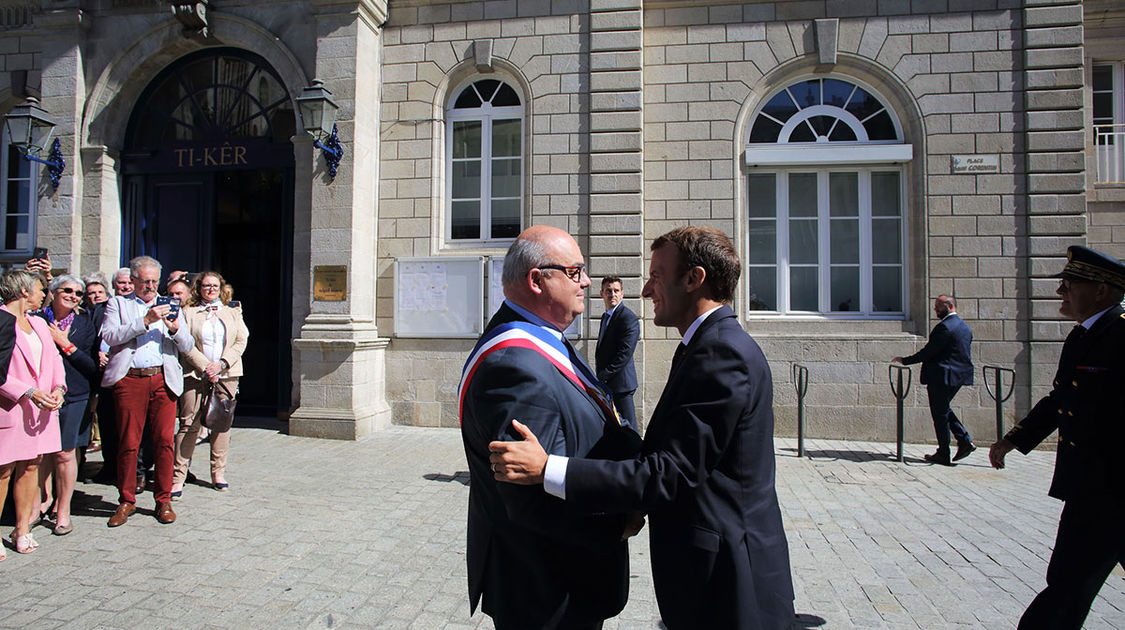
{"x":269,"y":423}
{"x":804,"y":620}
{"x":461,"y":477}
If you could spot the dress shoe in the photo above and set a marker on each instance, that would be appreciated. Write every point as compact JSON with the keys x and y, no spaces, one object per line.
{"x":124,"y":511}
{"x":939,"y":457}
{"x":963,"y":451}
{"x":140,"y":483}
{"x":164,"y":512}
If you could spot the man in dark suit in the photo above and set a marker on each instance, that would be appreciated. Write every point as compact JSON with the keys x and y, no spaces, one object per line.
{"x":534,"y":560}
{"x":946,"y":366}
{"x":7,"y":342}
{"x":1085,"y":406}
{"x":705,"y":474}
{"x":613,"y":356}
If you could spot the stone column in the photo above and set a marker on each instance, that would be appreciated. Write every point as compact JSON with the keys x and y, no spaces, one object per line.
{"x":63,"y":91}
{"x":1053,"y":58}
{"x":101,"y":212}
{"x":616,"y":157}
{"x":339,"y":351}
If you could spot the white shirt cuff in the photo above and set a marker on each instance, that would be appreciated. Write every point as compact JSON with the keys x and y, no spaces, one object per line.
{"x":554,"y":476}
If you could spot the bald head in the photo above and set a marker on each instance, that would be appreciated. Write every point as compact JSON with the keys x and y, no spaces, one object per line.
{"x":546,"y":292}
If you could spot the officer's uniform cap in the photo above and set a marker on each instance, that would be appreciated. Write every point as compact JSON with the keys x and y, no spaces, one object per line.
{"x":1090,"y":265}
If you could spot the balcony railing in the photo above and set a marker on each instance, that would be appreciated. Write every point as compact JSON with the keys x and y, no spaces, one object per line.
{"x":1109,"y":151}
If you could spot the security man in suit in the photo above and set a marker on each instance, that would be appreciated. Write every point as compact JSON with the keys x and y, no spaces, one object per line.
{"x":613,"y":355}
{"x":946,"y":366}
{"x":1085,"y":407}
{"x":535,"y":561}
{"x":705,"y":474}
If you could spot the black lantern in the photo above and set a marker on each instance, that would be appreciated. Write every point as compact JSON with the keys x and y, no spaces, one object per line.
{"x":29,"y":130}
{"x":318,"y":112}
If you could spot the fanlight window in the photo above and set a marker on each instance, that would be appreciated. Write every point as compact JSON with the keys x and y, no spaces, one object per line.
{"x":823,"y":110}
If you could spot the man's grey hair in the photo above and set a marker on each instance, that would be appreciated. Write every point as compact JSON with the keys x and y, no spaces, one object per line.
{"x":140,"y":262}
{"x":123,"y":270}
{"x":523,"y":256}
{"x":96,"y":277}
{"x":13,"y":283}
{"x":66,"y":278}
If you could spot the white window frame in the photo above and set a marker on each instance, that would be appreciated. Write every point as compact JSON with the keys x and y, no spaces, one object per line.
{"x":486,"y":114}
{"x":1109,"y":140}
{"x":824,"y":264}
{"x":32,"y":199}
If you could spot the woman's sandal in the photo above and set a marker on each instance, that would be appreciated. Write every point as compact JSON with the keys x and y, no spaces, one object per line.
{"x":23,"y":544}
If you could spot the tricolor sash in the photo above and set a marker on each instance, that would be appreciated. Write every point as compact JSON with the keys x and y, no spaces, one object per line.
{"x":518,"y":334}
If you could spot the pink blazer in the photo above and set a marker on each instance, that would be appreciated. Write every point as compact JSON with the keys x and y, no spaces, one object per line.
{"x":25,"y":430}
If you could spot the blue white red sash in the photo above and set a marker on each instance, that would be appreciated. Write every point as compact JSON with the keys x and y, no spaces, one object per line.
{"x":519,"y":334}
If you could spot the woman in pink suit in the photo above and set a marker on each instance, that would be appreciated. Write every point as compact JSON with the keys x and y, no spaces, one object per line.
{"x":29,"y":401}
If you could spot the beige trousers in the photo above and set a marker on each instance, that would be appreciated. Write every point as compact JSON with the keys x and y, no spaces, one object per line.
{"x":191,"y":415}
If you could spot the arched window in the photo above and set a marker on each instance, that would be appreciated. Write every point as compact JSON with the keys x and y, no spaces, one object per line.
{"x":825,"y":203}
{"x":18,"y":202}
{"x":484,"y":162}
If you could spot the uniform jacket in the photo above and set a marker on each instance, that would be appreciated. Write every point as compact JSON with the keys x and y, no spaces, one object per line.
{"x":82,"y":365}
{"x":613,"y":356}
{"x":234,"y":343}
{"x":123,"y":323}
{"x":529,"y":555}
{"x":1085,"y":406}
{"x":946,"y":358}
{"x":705,"y":476}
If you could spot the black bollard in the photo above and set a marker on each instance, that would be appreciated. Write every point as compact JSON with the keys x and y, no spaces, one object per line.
{"x":900,"y":393}
{"x":999,"y":395}
{"x":801,"y":383}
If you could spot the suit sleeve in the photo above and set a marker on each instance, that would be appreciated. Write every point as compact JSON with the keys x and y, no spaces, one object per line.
{"x":233,"y":353}
{"x":526,"y":391}
{"x":700,"y":430}
{"x":1033,"y":429}
{"x":939,"y":341}
{"x":623,"y":345}
{"x":116,"y":332}
{"x":7,"y":342}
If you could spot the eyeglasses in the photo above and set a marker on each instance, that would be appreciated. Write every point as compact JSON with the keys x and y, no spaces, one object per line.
{"x":146,"y":283}
{"x":69,"y":291}
{"x":574,"y":272}
{"x":210,"y":286}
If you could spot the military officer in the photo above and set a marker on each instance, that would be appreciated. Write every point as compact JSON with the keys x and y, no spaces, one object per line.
{"x":1085,"y":406}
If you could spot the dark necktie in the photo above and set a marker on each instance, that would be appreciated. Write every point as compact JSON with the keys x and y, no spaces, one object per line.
{"x":679,"y":356}
{"x":605,"y":323}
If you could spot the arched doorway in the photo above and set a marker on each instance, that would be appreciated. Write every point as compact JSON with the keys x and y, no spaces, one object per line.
{"x":208,"y":184}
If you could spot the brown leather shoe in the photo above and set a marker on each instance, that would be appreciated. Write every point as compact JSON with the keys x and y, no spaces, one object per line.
{"x":140,"y":483}
{"x":124,"y":511}
{"x":164,"y":512}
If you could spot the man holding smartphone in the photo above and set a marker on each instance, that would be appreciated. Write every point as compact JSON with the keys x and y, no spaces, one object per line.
{"x":145,"y":374}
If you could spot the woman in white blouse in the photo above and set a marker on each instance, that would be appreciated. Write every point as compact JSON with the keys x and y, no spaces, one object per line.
{"x":220,"y":338}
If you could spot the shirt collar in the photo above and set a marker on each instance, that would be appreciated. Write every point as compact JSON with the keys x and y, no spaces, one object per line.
{"x":696,"y":324}
{"x":1089,"y":322}
{"x":534,"y":319}
{"x":609,"y":311}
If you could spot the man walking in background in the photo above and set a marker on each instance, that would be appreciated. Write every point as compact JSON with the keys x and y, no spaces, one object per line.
{"x":613,"y":356}
{"x":946,"y":366}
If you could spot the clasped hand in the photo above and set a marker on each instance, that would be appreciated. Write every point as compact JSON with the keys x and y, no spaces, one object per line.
{"x":50,"y":402}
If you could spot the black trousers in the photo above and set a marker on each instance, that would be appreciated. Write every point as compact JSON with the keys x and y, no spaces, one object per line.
{"x":1089,"y":543}
{"x":945,"y":420}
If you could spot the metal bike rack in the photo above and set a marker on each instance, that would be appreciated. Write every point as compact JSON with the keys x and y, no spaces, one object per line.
{"x":999,"y":396}
{"x":801,"y":384}
{"x":900,"y":391}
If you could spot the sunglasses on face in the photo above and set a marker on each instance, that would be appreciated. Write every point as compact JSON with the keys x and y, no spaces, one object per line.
{"x":69,"y":291}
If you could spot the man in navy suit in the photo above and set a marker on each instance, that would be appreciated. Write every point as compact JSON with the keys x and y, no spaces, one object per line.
{"x":705,"y":474}
{"x":1084,"y":405}
{"x":946,"y":366}
{"x":536,"y":561}
{"x":613,"y":356}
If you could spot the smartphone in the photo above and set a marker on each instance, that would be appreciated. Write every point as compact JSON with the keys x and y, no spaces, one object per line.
{"x":174,"y":303}
{"x":234,"y":304}
{"x":40,"y":253}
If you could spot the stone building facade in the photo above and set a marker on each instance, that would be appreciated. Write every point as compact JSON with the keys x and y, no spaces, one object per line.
{"x":865,"y":156}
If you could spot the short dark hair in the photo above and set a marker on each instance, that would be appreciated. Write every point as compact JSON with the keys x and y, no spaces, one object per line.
{"x":611,"y":279}
{"x":710,"y":249}
{"x":948,"y":300}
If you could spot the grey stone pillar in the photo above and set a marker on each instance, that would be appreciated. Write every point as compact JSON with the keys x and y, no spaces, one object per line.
{"x":340,"y":355}
{"x":1053,"y":58}
{"x":100,"y":212}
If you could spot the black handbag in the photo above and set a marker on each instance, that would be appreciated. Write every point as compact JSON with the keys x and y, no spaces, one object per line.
{"x":220,"y":408}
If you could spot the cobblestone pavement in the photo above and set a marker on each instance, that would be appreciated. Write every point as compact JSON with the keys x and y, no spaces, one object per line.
{"x":328,"y":534}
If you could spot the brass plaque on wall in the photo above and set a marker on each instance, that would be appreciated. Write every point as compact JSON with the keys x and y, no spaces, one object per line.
{"x":330,"y":283}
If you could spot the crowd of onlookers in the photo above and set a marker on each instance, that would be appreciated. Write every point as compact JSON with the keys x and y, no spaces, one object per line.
{"x":91,"y":363}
